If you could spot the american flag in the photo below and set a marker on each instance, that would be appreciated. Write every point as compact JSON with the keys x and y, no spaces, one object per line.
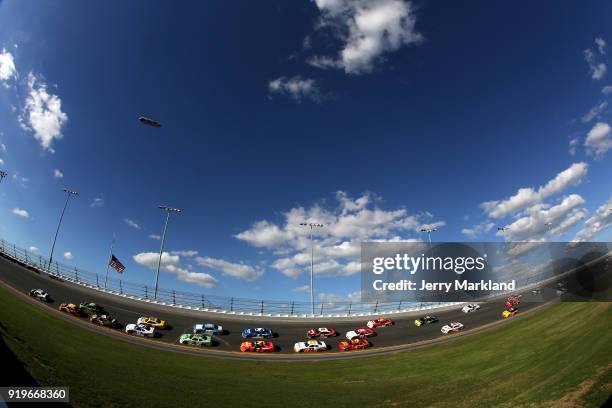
{"x":114,"y":262}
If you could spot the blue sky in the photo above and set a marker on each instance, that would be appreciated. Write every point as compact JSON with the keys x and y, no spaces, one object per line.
{"x":376,"y":118}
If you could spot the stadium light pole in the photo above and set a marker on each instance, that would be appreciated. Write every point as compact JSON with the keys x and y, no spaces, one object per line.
{"x":168,"y":210}
{"x":312,"y":225}
{"x":3,"y":174}
{"x":69,"y":193}
{"x":429,"y":231}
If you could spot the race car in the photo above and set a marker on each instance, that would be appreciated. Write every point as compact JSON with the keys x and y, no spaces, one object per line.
{"x":140,"y":329}
{"x":257,"y":333}
{"x":196,"y":339}
{"x":380,"y":322}
{"x":152,"y":321}
{"x":354,"y":344}
{"x":425,"y":320}
{"x":360,"y":333}
{"x":103,"y":320}
{"x":89,"y":309}
{"x":257,"y":346}
{"x":472,"y":307}
{"x":509,"y":312}
{"x":310,"y":346}
{"x":40,"y":295}
{"x":321,"y":332}
{"x":70,"y":308}
{"x":453,"y":327}
{"x":207,"y":328}
{"x":512,"y":301}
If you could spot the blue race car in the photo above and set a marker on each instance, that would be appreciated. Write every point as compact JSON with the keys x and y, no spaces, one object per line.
{"x":207,"y":328}
{"x":257,"y":333}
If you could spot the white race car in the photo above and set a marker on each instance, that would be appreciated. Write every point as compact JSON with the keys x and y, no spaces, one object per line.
{"x":472,"y":307}
{"x":39,"y":294}
{"x":139,"y":329}
{"x":453,"y":327}
{"x":310,"y":346}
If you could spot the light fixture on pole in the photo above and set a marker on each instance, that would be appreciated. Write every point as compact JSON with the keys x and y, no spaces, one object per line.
{"x":311,"y":225}
{"x":3,"y":174}
{"x":69,"y":193}
{"x":429,"y":231}
{"x":168,"y":210}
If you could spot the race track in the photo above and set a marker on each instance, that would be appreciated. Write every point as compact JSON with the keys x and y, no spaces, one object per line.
{"x":287,"y":331}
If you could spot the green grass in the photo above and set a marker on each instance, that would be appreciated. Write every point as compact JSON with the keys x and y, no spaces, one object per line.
{"x":559,"y":356}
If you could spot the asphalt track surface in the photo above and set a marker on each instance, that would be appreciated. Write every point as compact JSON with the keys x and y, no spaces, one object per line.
{"x":404,"y":334}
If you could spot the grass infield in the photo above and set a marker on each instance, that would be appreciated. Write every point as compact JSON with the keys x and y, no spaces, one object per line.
{"x":559,"y":356}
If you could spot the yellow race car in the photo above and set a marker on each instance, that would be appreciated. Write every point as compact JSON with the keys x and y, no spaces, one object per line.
{"x":152,"y":321}
{"x":509,"y":312}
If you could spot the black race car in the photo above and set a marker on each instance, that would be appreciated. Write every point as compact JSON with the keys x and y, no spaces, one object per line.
{"x":425,"y":320}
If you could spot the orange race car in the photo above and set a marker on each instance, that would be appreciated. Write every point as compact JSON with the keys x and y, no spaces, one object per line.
{"x":70,"y":308}
{"x":257,"y":346}
{"x":354,"y":344}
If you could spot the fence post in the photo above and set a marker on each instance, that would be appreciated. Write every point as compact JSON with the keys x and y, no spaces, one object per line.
{"x":97,"y":281}
{"x":26,"y":256}
{"x":350,"y":306}
{"x":15,"y":250}
{"x":292,"y":307}
{"x":262,"y":306}
{"x":146,"y":292}
{"x":202,"y":301}
{"x":376,"y":307}
{"x":57,"y":269}
{"x":399,"y":307}
{"x":76,"y":274}
{"x":120,"y":287}
{"x":232,"y":304}
{"x":173,"y":297}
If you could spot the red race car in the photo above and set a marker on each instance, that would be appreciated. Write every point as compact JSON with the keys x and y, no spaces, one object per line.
{"x":355,"y":344}
{"x":513,"y":301}
{"x":360,"y":333}
{"x":321,"y":332}
{"x":257,"y":346}
{"x":380,"y":322}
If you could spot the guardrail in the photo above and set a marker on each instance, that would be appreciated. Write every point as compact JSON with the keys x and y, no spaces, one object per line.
{"x":214,"y":303}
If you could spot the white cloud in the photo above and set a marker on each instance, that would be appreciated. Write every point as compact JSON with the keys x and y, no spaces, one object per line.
{"x":594,"y":112}
{"x":528,"y":196}
{"x":58,"y":174}
{"x":573,"y":143}
{"x":189,"y":253}
{"x":7,"y":66}
{"x":368,"y":30}
{"x":598,"y":140}
{"x":337,"y":244}
{"x":597,"y":68}
{"x":540,"y":221}
{"x":606,"y":89}
{"x":296,"y":87}
{"x":155,"y":237}
{"x":20,"y":212}
{"x":1,"y":162}
{"x":601,"y":45}
{"x":235,"y":270}
{"x":19,"y":179}
{"x":3,"y":147}
{"x":601,"y":220}
{"x":43,"y":113}
{"x":98,"y":202}
{"x":478,"y":229}
{"x":33,"y":249}
{"x":303,"y":288}
{"x":68,"y":255}
{"x":172,"y":264}
{"x":131,"y":223}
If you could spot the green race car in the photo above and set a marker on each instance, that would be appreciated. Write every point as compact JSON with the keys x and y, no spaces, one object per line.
{"x":90,"y":309}
{"x":196,"y":339}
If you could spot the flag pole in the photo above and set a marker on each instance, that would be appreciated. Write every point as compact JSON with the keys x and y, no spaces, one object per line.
{"x":110,"y":257}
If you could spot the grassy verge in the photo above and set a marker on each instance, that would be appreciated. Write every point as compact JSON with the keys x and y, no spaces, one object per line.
{"x":560,"y":356}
